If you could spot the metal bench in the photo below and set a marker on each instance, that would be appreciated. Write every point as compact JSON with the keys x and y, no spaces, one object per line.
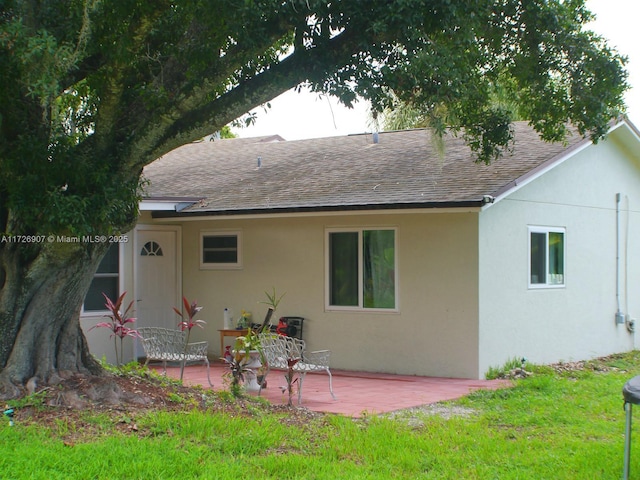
{"x":277,"y":349}
{"x":166,"y":345}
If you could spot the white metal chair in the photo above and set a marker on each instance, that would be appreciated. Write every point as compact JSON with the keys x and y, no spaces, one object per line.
{"x":166,"y":345}
{"x":278,"y":349}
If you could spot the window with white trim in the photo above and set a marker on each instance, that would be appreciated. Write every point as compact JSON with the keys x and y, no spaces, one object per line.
{"x":362,"y":269}
{"x":546,"y":257}
{"x":106,"y":279}
{"x":220,"y":249}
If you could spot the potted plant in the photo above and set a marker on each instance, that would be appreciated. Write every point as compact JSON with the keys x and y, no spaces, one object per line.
{"x":237,"y":372}
{"x":244,"y":362}
{"x":248,"y":354}
{"x":250,"y":342}
{"x":245,"y":320}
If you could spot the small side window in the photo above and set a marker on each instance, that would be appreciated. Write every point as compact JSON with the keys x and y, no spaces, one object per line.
{"x":220,"y":250}
{"x":546,"y":257}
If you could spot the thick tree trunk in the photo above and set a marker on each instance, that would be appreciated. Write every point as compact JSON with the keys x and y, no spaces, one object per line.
{"x":42,"y":288}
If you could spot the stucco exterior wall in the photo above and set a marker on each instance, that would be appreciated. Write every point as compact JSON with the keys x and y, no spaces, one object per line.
{"x":575,"y":322}
{"x":434,"y":331}
{"x":100,"y":343}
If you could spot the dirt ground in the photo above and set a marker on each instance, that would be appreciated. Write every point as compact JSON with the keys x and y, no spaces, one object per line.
{"x":69,"y":409}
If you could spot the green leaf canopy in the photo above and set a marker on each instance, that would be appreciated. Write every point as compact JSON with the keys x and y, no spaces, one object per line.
{"x":91,"y":91}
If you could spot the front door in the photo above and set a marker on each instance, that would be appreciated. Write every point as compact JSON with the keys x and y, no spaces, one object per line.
{"x":157,"y":278}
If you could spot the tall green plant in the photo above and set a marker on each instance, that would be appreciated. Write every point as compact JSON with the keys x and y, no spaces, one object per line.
{"x":273,"y":300}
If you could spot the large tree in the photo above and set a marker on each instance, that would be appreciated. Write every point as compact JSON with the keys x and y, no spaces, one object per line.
{"x":91,"y":91}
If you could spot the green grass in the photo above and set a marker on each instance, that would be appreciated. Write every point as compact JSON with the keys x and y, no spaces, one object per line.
{"x":549,"y":426}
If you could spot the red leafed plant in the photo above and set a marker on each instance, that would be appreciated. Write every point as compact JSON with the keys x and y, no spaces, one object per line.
{"x":291,"y":363}
{"x":191,"y":309}
{"x":118,"y":323}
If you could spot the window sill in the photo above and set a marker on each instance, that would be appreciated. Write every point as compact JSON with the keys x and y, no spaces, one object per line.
{"x":97,"y":313}
{"x":546,"y":287}
{"x":377,"y":311}
{"x":220,"y":266}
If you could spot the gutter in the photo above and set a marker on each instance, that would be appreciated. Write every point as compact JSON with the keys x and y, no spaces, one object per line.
{"x":326,"y":208}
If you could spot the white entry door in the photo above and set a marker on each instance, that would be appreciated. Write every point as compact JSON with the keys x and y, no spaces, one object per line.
{"x":157,"y":279}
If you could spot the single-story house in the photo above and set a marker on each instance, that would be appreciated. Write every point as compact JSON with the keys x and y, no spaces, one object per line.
{"x":401,"y":253}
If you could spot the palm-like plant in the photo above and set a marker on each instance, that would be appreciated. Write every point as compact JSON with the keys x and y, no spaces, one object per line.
{"x":118,"y":323}
{"x":273,"y":300}
{"x":191,"y":309}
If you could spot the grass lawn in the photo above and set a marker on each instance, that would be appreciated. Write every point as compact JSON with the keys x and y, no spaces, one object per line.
{"x":554,"y":424}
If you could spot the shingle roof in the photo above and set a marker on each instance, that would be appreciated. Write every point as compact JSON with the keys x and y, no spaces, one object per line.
{"x":405,"y":169}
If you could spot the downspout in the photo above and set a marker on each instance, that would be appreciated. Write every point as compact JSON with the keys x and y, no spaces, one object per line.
{"x":631,"y":323}
{"x":621,"y":318}
{"x":619,"y":314}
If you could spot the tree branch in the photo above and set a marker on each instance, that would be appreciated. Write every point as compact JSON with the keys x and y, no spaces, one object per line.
{"x":204,"y":117}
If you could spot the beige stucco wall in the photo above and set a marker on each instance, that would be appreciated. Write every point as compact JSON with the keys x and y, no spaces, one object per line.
{"x":100,"y":344}
{"x":433,"y":333}
{"x":575,"y":322}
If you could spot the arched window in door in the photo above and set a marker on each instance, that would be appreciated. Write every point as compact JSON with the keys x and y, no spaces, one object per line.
{"x":151,"y":249}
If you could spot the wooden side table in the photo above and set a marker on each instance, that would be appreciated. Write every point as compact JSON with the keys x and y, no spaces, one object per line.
{"x":229,"y":333}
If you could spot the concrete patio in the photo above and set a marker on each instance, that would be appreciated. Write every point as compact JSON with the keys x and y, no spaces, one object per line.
{"x":357,"y":393}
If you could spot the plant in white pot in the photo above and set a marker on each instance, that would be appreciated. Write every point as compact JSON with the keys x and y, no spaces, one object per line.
{"x":244,"y":363}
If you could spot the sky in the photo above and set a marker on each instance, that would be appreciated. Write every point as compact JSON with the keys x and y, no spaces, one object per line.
{"x":296,"y":116}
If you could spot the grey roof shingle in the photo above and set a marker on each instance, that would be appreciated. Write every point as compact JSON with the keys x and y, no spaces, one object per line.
{"x":405,"y":169}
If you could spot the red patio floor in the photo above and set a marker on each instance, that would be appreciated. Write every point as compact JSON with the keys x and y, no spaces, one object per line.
{"x":357,"y":393}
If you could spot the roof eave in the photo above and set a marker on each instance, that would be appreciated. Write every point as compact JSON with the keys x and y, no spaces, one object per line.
{"x":320,"y":209}
{"x":558,"y":159}
{"x":155,"y":204}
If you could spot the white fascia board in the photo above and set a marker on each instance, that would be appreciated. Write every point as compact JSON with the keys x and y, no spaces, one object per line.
{"x":554,"y":162}
{"x":535,"y":174}
{"x":156,"y":205}
{"x":164,"y":205}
